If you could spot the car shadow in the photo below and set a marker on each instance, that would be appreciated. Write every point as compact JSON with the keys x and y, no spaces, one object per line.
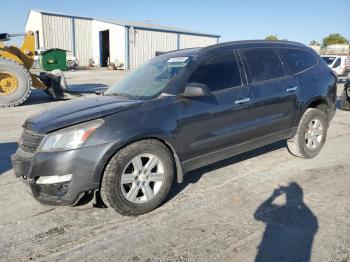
{"x":194,"y":176}
{"x":40,"y":97}
{"x":6,"y":150}
{"x":290,"y":227}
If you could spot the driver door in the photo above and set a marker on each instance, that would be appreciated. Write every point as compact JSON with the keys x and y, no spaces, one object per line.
{"x":213,"y":127}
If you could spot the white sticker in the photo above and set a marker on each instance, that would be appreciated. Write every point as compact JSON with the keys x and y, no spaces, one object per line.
{"x":180,"y":59}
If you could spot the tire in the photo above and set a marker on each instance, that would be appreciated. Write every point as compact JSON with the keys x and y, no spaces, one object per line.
{"x":115,"y":191}
{"x":71,"y":64}
{"x":24,"y":82}
{"x":345,"y":101}
{"x":298,"y":145}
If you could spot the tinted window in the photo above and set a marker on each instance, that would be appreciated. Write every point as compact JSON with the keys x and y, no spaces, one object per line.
{"x":218,"y":72}
{"x":263,"y":64}
{"x":298,"y":60}
{"x":328,"y":59}
{"x":337,"y":62}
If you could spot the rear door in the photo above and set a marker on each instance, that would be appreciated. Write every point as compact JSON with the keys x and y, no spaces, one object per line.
{"x":211,"y":124}
{"x":275,"y":93}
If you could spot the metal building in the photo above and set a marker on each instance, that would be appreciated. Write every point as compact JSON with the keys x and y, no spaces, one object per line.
{"x":99,"y":42}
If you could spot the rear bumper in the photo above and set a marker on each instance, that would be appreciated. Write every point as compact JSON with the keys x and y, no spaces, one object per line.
{"x":82,"y":165}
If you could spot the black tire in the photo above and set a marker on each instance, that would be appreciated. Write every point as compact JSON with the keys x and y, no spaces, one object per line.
{"x":71,"y":64}
{"x":21,"y":93}
{"x":345,"y":101}
{"x":297,"y":145}
{"x":111,"y":191}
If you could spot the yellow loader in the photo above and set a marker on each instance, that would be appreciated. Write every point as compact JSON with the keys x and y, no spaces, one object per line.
{"x":16,"y":80}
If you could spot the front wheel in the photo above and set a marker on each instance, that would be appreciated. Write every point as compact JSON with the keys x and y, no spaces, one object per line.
{"x":311,"y":134}
{"x":138,"y":178}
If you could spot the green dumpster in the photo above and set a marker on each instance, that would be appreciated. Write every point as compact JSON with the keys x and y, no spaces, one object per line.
{"x":52,"y":59}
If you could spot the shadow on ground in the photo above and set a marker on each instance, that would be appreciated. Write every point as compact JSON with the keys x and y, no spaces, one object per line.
{"x":39,"y":97}
{"x":194,"y":176}
{"x":290,"y":228}
{"x":6,"y":150}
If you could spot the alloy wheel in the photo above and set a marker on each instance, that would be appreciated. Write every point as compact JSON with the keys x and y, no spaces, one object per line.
{"x":142,"y":178}
{"x":314,"y":134}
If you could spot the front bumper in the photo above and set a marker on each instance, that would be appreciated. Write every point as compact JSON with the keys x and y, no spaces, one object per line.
{"x":85,"y":166}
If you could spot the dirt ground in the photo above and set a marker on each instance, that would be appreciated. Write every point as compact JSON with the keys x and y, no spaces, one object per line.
{"x":265,"y":204}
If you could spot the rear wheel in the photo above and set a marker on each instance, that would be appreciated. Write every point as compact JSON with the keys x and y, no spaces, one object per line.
{"x":15,"y":83}
{"x":311,"y":134}
{"x":138,"y":178}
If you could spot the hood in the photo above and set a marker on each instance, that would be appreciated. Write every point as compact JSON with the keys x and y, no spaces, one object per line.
{"x":77,"y":111}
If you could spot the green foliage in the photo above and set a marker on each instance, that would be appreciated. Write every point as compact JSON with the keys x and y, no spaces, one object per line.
{"x":271,"y":37}
{"x":334,"y":39}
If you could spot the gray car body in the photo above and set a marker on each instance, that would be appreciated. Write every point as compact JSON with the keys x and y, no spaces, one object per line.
{"x":198,"y":131}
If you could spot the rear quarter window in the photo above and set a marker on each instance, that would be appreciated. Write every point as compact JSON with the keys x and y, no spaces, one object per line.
{"x":298,"y":60}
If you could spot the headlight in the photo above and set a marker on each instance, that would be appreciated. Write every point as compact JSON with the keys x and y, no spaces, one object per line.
{"x":70,"y":138}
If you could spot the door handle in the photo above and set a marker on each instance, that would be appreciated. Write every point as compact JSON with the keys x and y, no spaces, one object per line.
{"x":241,"y":101}
{"x":291,"y":89}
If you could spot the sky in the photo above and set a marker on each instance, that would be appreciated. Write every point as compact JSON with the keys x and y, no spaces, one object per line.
{"x":295,"y":20}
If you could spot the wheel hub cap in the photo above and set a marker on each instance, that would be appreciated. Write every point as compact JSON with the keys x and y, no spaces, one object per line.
{"x":314,"y":134}
{"x":142,"y":178}
{"x":8,"y":83}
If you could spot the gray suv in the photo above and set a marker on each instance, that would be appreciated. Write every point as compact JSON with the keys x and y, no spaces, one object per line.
{"x":180,"y":111}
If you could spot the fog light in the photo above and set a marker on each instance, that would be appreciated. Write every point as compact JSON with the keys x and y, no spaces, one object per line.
{"x":54,"y":179}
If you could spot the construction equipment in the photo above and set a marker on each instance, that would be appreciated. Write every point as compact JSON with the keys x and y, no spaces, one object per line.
{"x":16,"y":80}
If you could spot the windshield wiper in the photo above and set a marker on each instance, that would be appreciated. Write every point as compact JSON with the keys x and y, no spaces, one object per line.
{"x":122,"y":95}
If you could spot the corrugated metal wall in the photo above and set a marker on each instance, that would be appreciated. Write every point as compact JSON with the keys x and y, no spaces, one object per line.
{"x":57,"y":32}
{"x":83,"y":40}
{"x":189,"y":41}
{"x":143,"y":45}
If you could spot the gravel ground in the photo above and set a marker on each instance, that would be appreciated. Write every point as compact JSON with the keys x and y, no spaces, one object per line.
{"x":265,"y":205}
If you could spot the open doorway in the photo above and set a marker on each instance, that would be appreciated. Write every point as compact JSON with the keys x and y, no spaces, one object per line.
{"x":104,"y":48}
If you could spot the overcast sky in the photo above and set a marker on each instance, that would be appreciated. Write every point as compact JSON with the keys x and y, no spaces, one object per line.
{"x":295,"y":20}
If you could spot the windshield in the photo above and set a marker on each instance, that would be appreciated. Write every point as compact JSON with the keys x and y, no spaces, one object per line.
{"x":329,"y":59}
{"x":149,"y":79}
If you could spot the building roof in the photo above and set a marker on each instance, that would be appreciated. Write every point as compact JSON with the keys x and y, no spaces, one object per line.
{"x":137,"y":25}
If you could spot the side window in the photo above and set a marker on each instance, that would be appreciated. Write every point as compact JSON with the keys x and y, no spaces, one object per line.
{"x":337,"y":62}
{"x":219,"y":72}
{"x":298,"y":60}
{"x":263,"y":64}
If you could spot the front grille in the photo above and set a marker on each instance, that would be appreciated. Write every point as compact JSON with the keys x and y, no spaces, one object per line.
{"x":30,"y":141}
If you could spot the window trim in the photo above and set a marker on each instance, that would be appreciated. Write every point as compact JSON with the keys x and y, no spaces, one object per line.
{"x":240,"y":67}
{"x":299,"y":49}
{"x":247,"y":69}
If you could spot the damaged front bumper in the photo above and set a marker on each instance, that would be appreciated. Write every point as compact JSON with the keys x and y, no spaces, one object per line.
{"x":59,"y":178}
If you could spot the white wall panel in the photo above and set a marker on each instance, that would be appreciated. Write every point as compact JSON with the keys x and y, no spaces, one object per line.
{"x":189,"y":41}
{"x":34,"y":23}
{"x":143,"y":45}
{"x":83,"y":40}
{"x":58,"y":32}
{"x":116,"y":41}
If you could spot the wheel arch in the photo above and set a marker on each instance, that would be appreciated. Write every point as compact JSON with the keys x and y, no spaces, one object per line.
{"x":119,"y":146}
{"x":317,"y":102}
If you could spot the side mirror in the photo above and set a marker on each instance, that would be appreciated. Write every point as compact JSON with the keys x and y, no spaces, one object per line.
{"x":195,"y":90}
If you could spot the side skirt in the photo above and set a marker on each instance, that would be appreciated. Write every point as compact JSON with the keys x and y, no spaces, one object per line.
{"x":231,"y":151}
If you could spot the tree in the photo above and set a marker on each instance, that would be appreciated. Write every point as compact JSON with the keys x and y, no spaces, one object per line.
{"x":335,"y":39}
{"x":271,"y":37}
{"x":313,"y":42}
